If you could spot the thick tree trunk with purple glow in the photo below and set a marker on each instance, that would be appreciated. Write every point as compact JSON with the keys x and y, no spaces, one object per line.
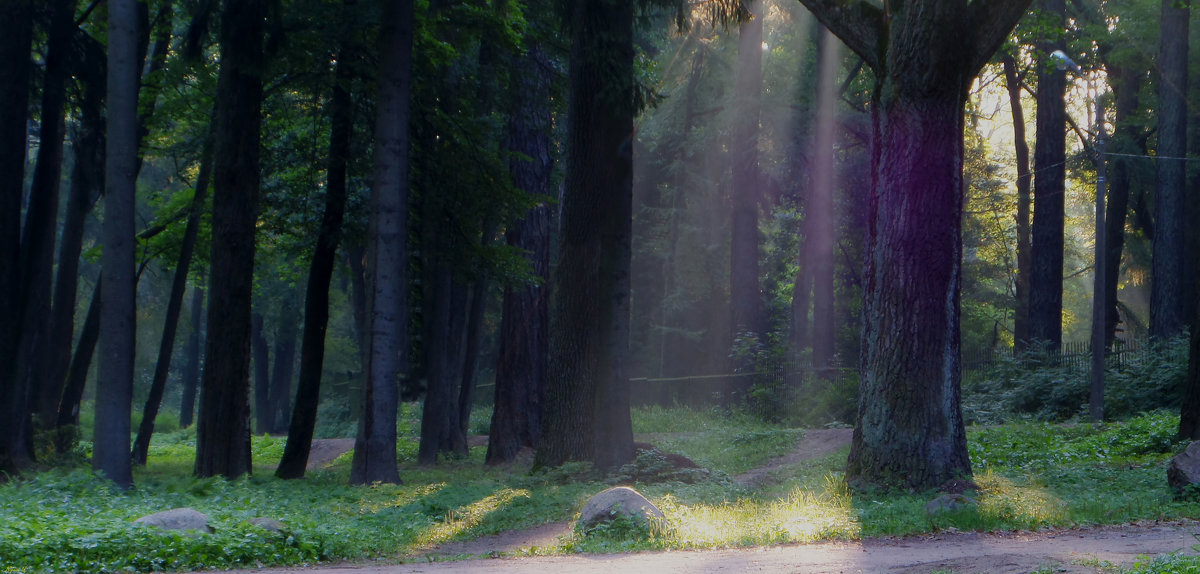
{"x":1049,"y":185}
{"x":910,"y":431}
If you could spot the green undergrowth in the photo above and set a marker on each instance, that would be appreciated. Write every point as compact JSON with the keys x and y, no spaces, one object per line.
{"x":1031,"y":476}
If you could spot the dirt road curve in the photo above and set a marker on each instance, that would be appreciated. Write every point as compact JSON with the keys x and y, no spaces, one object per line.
{"x":1070,"y":551}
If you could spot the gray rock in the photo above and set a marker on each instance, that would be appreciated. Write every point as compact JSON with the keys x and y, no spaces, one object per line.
{"x":269,"y":524}
{"x":184,"y":519}
{"x":949,"y":503}
{"x":614,"y":502}
{"x":1184,"y":470}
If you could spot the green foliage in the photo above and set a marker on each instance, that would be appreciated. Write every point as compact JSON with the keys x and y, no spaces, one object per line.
{"x":1166,"y":564}
{"x":1040,"y":386}
{"x":1043,"y":446}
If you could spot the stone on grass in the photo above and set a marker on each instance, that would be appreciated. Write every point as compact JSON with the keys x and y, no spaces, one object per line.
{"x":269,"y":524}
{"x":619,"y":501}
{"x":1184,"y":471}
{"x":949,"y":503}
{"x":184,"y":519}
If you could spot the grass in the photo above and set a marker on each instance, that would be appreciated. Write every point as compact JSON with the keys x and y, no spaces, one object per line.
{"x":1032,"y":476}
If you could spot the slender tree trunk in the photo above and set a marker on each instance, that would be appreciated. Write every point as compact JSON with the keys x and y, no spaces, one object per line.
{"x":87,"y":183}
{"x":41,"y":220}
{"x":316,"y":299}
{"x":166,"y":347}
{"x":1024,"y":258}
{"x":1127,"y":83}
{"x":114,"y":380}
{"x":262,"y":374}
{"x":375,"y":446}
{"x":525,"y":316}
{"x":68,"y":407}
{"x":191,"y":374}
{"x":15,"y":52}
{"x":819,"y":217}
{"x":586,"y":414}
{"x":285,"y":359}
{"x":1049,"y":155}
{"x":1169,"y":297}
{"x":474,"y":336}
{"x":745,"y":297}
{"x":223,"y":432}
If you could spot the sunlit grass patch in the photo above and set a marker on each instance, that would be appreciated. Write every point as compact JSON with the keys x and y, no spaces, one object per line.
{"x":469,"y":516}
{"x":1003,"y":501}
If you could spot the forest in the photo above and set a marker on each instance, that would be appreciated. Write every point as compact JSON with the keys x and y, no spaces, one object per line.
{"x":247,"y":225}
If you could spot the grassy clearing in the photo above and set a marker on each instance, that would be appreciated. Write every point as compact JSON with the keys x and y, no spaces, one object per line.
{"x":1031,"y":476}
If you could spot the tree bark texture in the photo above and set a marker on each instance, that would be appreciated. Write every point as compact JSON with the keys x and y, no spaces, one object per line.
{"x":1024,"y":199}
{"x":387,"y":261}
{"x":745,"y":297}
{"x":16,"y":53}
{"x":320,"y":272}
{"x":1169,"y":284}
{"x":166,"y":346}
{"x":586,"y":414}
{"x":525,"y":314}
{"x":910,"y":431}
{"x":114,"y":379}
{"x":1049,"y":189}
{"x":223,"y":430}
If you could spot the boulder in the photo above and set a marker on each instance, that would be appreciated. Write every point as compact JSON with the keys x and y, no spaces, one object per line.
{"x":618,"y":501}
{"x":1184,"y":470}
{"x":949,"y":503}
{"x":269,"y":524}
{"x":177,"y":519}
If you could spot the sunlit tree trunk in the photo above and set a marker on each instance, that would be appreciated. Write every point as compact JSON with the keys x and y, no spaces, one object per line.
{"x":586,"y":412}
{"x":191,"y":373}
{"x":1024,"y":257}
{"x":525,"y":316}
{"x":223,"y":430}
{"x":1169,"y":284}
{"x":745,"y":298}
{"x":820,"y":220}
{"x":375,"y":446}
{"x":1049,"y":185}
{"x":1126,"y":83}
{"x":910,"y":430}
{"x":114,"y":379}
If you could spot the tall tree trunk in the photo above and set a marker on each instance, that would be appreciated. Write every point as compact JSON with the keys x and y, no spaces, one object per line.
{"x":320,"y":272}
{"x":745,"y":298}
{"x":1189,"y":411}
{"x":87,"y":183}
{"x":66,"y":428}
{"x":1127,"y":83}
{"x":1049,"y":155}
{"x":191,"y":373}
{"x":439,"y":418}
{"x":166,"y":347}
{"x":375,"y":446}
{"x":114,"y":380}
{"x":223,"y":432}
{"x":285,"y":359}
{"x":586,"y":414}
{"x":1169,"y":297}
{"x":525,"y":315}
{"x":473,"y":338}
{"x":910,"y":430}
{"x":1024,"y":258}
{"x":41,"y":220}
{"x":820,"y":220}
{"x":261,"y":365}
{"x":15,"y":52}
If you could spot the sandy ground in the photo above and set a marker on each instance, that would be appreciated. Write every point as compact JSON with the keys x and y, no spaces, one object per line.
{"x":1067,"y":551}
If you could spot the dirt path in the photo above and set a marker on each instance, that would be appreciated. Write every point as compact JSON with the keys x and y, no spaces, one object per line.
{"x":1067,"y":551}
